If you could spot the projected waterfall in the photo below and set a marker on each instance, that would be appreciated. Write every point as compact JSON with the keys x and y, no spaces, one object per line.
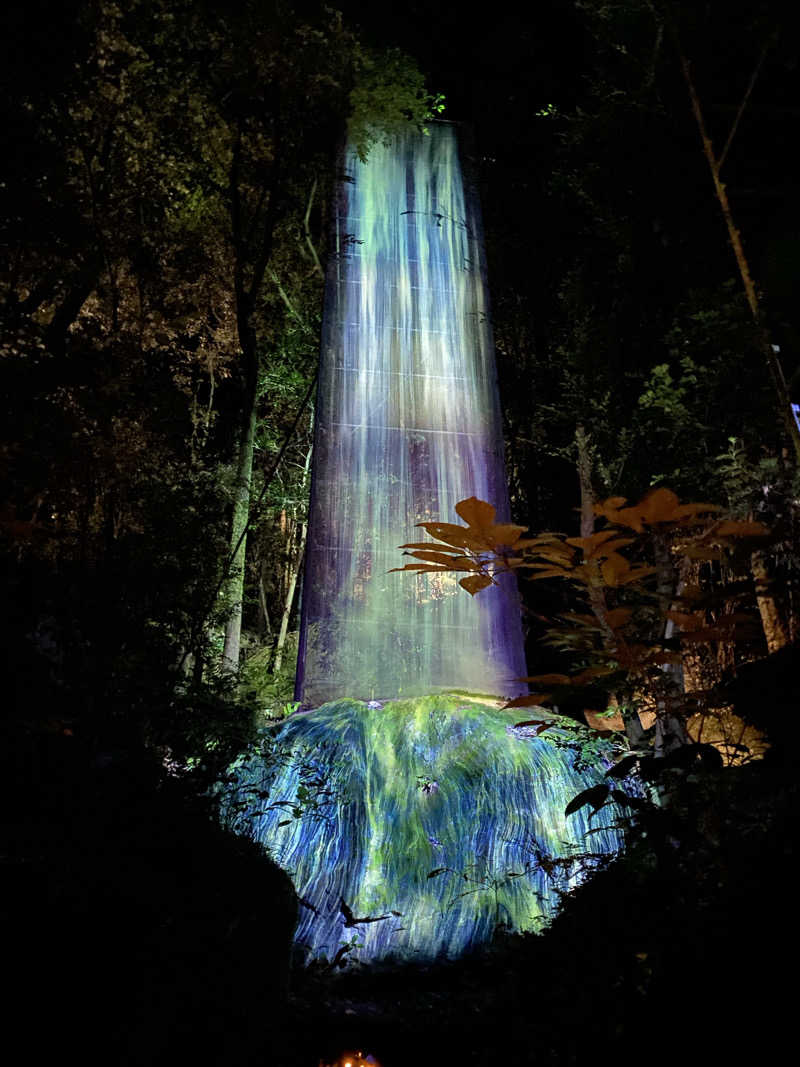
{"x":360,"y":805}
{"x":414,"y":821}
{"x":408,"y":424}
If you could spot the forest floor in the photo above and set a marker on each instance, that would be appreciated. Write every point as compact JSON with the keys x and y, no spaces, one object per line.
{"x":440,"y":1012}
{"x":678,"y":952}
{"x":138,"y":933}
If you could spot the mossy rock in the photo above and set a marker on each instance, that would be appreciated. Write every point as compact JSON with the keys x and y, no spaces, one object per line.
{"x":418,"y":828}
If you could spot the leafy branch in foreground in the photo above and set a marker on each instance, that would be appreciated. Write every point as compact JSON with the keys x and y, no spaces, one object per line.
{"x":644,"y":616}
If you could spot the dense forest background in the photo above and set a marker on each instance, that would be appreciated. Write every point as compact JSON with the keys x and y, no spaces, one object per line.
{"x":164,"y":216}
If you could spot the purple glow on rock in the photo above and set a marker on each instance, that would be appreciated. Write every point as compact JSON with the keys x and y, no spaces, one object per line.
{"x":407,"y":424}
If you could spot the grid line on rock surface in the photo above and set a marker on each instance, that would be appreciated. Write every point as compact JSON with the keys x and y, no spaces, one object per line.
{"x":408,"y":423}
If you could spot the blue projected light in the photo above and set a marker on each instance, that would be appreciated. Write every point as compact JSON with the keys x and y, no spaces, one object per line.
{"x":418,"y":829}
{"x":408,"y":423}
{"x":414,"y":822}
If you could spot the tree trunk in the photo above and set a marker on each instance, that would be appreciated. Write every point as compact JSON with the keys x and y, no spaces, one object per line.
{"x":234,"y":592}
{"x":772,"y":622}
{"x":670,"y":703}
{"x":287,"y":607}
{"x":262,"y":602}
{"x":295,"y":572}
{"x":246,"y":293}
{"x":286,"y":526}
{"x":83,"y":285}
{"x":597,"y":600}
{"x":782,"y":401}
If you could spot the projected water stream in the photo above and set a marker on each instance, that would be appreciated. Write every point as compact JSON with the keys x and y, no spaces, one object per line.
{"x":408,"y":424}
{"x":362,"y":805}
{"x":414,"y":821}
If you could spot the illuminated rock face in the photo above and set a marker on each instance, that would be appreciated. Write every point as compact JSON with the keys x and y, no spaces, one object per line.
{"x":360,"y":804}
{"x":413,"y":822}
{"x":408,"y":424}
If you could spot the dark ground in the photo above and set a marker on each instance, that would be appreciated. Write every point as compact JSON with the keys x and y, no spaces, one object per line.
{"x":138,"y":933}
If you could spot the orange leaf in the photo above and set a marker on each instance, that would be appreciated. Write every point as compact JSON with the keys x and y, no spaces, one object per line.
{"x":536,"y":542}
{"x":529,"y":701}
{"x":460,"y":536}
{"x":707,"y":633}
{"x":505,"y":534}
{"x":611,"y":546}
{"x":452,"y":563}
{"x":610,"y":508}
{"x":592,"y":542}
{"x":658,"y":505}
{"x":705,"y":552}
{"x":636,"y":574}
{"x":476,"y":513}
{"x":618,"y":617}
{"x":589,"y":673}
{"x":20,"y":529}
{"x":723,"y":631}
{"x":664,"y":655}
{"x":638,"y":656}
{"x":686,"y":622}
{"x":686,"y":510}
{"x":547,"y":679}
{"x":466,"y":564}
{"x":550,"y":572}
{"x":613,"y":502}
{"x":429,"y":544}
{"x":475,"y":583}
{"x":614,"y":568}
{"x":420,"y":567}
{"x":546,"y":566}
{"x":692,"y":520}
{"x":538,"y":723}
{"x":630,"y":517}
{"x":734,"y":528}
{"x":690,"y":593}
{"x":554,"y":555}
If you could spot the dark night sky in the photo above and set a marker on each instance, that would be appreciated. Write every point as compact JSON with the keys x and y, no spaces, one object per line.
{"x":498,"y":67}
{"x":478,"y":60}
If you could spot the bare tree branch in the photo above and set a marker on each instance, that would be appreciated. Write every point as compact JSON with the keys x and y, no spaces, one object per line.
{"x":307,"y":230}
{"x":745,"y":98}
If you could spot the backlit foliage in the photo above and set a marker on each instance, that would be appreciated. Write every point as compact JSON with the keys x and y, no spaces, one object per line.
{"x":643,"y":617}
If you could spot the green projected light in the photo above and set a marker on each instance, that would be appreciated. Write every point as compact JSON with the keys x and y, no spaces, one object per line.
{"x":408,"y":424}
{"x":413,"y":821}
{"x":361,"y":804}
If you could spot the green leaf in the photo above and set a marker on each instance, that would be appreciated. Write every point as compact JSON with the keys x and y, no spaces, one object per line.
{"x":623,"y":768}
{"x":538,"y":723}
{"x":596,"y":796}
{"x":436,"y":871}
{"x":531,"y":700}
{"x":625,"y":801}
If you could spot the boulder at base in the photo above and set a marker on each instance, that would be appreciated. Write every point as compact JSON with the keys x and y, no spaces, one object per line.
{"x":415,"y":829}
